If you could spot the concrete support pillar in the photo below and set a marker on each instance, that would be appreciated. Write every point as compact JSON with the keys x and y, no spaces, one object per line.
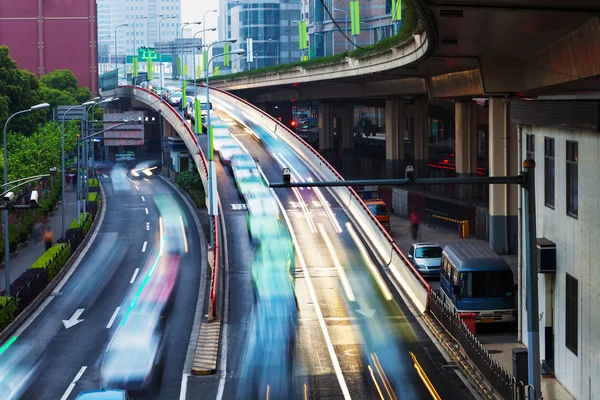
{"x":325,"y":126}
{"x":420,"y":137}
{"x":394,"y":130}
{"x":503,"y":160}
{"x":347,"y":126}
{"x":465,"y":117}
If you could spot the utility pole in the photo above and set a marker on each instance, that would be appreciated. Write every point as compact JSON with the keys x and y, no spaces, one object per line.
{"x":527,"y":180}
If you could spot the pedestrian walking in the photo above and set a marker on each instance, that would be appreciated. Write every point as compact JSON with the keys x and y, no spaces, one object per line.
{"x":48,"y":238}
{"x":38,"y":233}
{"x":415,"y":220}
{"x":68,"y":181}
{"x":74,"y":179}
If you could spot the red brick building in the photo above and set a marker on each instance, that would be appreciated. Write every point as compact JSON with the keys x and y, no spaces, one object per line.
{"x":44,"y":35}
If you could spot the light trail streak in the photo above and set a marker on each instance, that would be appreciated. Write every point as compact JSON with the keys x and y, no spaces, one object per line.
{"x":338,"y":265}
{"x":387,"y":294}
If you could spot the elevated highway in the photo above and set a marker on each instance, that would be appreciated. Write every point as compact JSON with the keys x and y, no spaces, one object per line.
{"x":460,"y":49}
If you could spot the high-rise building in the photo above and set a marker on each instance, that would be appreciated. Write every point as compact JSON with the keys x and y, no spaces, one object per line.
{"x":269,"y":23}
{"x":52,"y":34}
{"x":329,"y":25}
{"x":144,"y":15}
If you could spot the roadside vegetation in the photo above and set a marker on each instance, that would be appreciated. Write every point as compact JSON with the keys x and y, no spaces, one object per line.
{"x":33,"y":149}
{"x":191,"y":183}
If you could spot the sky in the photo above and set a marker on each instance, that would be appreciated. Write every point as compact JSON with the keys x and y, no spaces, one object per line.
{"x":193,"y":10}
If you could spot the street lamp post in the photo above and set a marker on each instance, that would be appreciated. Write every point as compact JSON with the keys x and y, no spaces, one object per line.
{"x":213,"y":209}
{"x":380,"y":19}
{"x":6,"y":244}
{"x":346,"y":30}
{"x":160,"y":57}
{"x":276,"y":48}
{"x":83,"y":159}
{"x":107,"y":53}
{"x":148,"y":24}
{"x":148,"y":35}
{"x":371,"y":30}
{"x":194,"y":53}
{"x":133,"y":41}
{"x":315,"y":43}
{"x":117,"y":52}
{"x":204,"y":24}
{"x":183,"y":47}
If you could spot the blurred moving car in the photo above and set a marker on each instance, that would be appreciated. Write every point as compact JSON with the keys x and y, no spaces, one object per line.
{"x":380,"y":211}
{"x":125,"y":156}
{"x":242,"y":162}
{"x":134,"y":357}
{"x":175,"y":98}
{"x":103,"y":395}
{"x":426,"y":257}
{"x":221,"y":134}
{"x":264,"y":222}
{"x":249,"y":181}
{"x":228,"y":150}
{"x":144,"y":169}
{"x":16,"y":371}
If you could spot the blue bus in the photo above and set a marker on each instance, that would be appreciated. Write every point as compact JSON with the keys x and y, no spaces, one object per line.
{"x":474,"y":279}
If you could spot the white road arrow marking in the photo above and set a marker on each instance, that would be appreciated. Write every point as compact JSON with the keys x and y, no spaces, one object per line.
{"x":364,"y":308}
{"x":74,"y":320}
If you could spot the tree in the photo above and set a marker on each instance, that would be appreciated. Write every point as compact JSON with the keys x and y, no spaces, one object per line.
{"x":19,"y":90}
{"x":61,"y":79}
{"x":65,"y":81}
{"x":37,"y":153}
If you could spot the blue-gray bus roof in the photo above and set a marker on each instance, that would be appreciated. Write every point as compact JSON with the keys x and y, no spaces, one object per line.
{"x":474,"y":256}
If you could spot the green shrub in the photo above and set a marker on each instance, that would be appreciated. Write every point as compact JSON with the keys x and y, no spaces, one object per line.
{"x":85,"y":223}
{"x":93,"y":197}
{"x":53,"y":260}
{"x":8,"y":308}
{"x":199,"y":197}
{"x":189,"y":180}
{"x":93,"y":182}
{"x":59,"y":261}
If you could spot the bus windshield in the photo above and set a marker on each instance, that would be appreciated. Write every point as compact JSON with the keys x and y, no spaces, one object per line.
{"x":485,"y":284}
{"x":378,"y":209}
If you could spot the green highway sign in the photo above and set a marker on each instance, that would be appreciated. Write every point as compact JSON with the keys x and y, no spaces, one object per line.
{"x":166,"y":58}
{"x":144,"y":53}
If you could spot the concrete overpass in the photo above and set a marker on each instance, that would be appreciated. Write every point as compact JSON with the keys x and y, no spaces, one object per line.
{"x":460,"y":49}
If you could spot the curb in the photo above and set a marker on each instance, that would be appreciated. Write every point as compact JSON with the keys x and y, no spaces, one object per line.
{"x":207,"y":348}
{"x":40,"y":298}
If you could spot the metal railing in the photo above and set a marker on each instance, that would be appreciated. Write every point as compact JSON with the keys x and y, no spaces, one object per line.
{"x":502,"y":381}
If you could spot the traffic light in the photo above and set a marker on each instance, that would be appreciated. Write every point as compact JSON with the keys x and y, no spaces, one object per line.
{"x":293,"y":124}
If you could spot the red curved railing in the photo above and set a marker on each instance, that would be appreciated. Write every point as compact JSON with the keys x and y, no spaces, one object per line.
{"x":356,"y":196}
{"x":215,"y":271}
{"x":175,"y":112}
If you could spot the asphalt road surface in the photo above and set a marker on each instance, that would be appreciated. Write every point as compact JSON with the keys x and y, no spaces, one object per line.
{"x":350,"y":328}
{"x":67,"y":360}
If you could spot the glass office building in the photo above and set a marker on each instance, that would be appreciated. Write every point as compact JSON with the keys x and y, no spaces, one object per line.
{"x":272,"y":25}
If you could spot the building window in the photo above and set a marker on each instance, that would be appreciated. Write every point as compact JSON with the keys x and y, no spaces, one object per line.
{"x":549,"y":172}
{"x":572,"y":189}
{"x":571,"y":331}
{"x":530,"y":147}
